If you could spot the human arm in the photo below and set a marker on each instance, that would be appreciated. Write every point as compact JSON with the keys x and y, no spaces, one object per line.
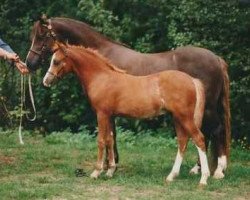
{"x":7,"y":53}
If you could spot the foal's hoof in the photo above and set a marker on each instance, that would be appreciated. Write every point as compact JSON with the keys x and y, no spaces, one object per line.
{"x":110,"y":172}
{"x":218,"y":175}
{"x":95,"y":174}
{"x":169,"y":179}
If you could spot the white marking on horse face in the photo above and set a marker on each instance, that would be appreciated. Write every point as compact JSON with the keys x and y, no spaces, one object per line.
{"x":47,"y":78}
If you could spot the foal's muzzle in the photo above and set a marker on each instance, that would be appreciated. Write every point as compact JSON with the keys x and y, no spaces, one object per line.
{"x":49,"y":79}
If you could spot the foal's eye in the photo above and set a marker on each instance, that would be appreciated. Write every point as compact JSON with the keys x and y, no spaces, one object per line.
{"x":56,"y":62}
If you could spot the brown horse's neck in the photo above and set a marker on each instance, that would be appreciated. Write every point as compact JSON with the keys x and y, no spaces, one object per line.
{"x":76,"y":32}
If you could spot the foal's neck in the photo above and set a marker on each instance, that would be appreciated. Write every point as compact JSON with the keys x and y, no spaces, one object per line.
{"x":89,"y":67}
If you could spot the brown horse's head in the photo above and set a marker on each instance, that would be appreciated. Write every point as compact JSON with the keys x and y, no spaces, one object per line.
{"x":42,"y":37}
{"x":60,"y":64}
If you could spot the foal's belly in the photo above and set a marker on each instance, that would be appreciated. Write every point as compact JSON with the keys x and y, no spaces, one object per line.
{"x":146,"y":107}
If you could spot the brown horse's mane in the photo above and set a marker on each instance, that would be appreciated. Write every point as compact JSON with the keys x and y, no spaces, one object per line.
{"x":100,"y":56}
{"x":87,"y":26}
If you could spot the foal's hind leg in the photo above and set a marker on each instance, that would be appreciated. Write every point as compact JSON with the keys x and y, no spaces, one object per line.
{"x":182,"y":138}
{"x":197,"y":167}
{"x":198,"y":140}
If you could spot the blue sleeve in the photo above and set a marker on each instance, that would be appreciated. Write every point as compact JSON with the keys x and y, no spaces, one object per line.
{"x":5,"y":46}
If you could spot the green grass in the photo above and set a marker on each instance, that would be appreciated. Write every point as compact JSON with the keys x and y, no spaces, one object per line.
{"x":44,"y":169}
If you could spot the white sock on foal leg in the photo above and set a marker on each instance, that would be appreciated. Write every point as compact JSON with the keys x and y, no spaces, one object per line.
{"x":222,"y":165}
{"x":176,"y":168}
{"x":111,"y":169}
{"x":96,"y":173}
{"x":205,"y":173}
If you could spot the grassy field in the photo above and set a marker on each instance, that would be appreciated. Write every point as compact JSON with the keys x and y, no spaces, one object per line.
{"x":44,"y":168}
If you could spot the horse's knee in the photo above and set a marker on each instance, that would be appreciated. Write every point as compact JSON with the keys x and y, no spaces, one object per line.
{"x":199,"y":141}
{"x":101,"y":143}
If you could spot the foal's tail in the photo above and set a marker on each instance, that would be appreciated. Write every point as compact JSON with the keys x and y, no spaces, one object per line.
{"x":200,"y":102}
{"x":226,"y":106}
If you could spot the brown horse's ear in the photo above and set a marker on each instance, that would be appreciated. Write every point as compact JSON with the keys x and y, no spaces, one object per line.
{"x":43,"y":19}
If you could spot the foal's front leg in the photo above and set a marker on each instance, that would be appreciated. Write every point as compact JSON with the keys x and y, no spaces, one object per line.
{"x":105,"y":140}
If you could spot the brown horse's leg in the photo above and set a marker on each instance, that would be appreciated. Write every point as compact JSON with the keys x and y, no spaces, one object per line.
{"x":182,"y":138}
{"x":220,"y":149}
{"x":198,"y":140}
{"x":214,"y":126}
{"x":103,"y":130}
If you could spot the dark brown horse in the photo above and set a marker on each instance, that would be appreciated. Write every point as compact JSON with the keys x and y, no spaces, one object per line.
{"x":112,"y":92}
{"x":198,"y":62}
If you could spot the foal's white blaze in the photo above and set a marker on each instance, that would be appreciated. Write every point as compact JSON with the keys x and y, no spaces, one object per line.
{"x":176,"y":168}
{"x":205,"y":173}
{"x":47,"y":75}
{"x":222,"y":165}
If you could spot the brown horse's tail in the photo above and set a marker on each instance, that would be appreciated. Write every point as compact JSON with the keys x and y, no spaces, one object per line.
{"x":200,"y":102}
{"x":226,"y":106}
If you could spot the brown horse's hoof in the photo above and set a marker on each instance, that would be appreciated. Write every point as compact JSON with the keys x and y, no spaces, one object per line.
{"x":218,"y":175}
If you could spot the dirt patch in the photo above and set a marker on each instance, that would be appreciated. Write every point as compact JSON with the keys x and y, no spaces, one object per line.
{"x":7,"y":160}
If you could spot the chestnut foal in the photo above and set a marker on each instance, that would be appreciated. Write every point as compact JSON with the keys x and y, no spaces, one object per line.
{"x":112,"y":92}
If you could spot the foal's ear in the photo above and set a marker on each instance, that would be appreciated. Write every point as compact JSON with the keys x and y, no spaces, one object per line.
{"x":55,"y":46}
{"x":43,"y":19}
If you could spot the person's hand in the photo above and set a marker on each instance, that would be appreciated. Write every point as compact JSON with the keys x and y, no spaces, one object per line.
{"x":12,"y":57}
{"x":21,"y":66}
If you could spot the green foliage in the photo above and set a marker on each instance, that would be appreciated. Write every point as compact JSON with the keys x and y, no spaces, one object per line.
{"x":145,"y":25}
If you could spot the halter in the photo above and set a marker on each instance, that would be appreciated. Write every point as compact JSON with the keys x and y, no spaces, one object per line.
{"x":49,"y":34}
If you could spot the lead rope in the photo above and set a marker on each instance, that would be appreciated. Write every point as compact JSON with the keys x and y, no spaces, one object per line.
{"x":32,"y":101}
{"x":23,"y":104}
{"x":21,"y":111}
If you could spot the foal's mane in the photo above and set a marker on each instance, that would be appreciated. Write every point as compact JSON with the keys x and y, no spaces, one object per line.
{"x":99,"y":56}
